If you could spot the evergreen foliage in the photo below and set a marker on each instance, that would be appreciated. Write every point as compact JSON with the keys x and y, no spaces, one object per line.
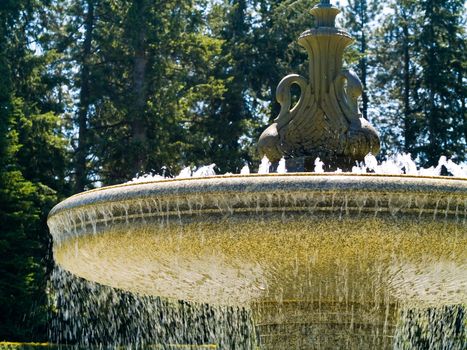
{"x":358,"y":17}
{"x":420,"y":79}
{"x":32,"y":169}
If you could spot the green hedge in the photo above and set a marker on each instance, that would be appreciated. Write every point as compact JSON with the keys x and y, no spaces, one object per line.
{"x":26,"y":346}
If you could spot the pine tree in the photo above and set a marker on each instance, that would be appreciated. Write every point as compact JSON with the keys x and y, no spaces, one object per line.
{"x":227,"y":116}
{"x":442,"y":49}
{"x":277,"y":52}
{"x":80,"y":164}
{"x":150,"y":84}
{"x":420,"y":70}
{"x":32,"y":168}
{"x":394,"y":89}
{"x":358,"y":17}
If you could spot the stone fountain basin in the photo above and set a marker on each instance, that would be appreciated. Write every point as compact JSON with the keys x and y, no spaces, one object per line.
{"x":331,"y":239}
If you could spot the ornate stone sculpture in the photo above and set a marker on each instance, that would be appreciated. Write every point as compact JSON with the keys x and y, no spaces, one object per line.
{"x":326,"y":121}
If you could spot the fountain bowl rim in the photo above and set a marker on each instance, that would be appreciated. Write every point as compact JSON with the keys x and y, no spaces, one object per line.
{"x":385,"y":180}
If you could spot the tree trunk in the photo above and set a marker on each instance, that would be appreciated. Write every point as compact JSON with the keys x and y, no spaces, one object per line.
{"x":408,"y":123}
{"x":363,"y":61}
{"x":463,"y":110}
{"x":435,"y":143}
{"x":138,"y":122}
{"x":82,"y":150}
{"x":363,"y":68}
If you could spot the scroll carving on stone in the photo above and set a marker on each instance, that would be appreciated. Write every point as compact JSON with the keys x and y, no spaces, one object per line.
{"x":326,"y":121}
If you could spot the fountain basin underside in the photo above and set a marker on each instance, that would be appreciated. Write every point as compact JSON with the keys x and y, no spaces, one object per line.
{"x":330,"y":251}
{"x":238,"y":262}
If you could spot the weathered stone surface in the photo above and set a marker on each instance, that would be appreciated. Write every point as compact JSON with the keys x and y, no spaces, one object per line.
{"x":326,"y":121}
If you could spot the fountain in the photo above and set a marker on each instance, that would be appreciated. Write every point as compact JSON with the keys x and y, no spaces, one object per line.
{"x":331,"y":260}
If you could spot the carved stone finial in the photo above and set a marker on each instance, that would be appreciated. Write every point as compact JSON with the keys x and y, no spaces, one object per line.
{"x":326,"y":121}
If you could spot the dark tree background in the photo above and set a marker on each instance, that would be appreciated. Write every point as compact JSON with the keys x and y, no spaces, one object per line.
{"x":97,"y":91}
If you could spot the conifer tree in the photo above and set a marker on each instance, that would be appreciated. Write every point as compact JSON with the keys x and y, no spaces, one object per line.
{"x":420,"y":79}
{"x":81,"y":154}
{"x":394,"y":91}
{"x":442,"y":49}
{"x":150,"y":81}
{"x":357,"y":18}
{"x":32,"y":169}
{"x":228,"y":114}
{"x":277,"y":52}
